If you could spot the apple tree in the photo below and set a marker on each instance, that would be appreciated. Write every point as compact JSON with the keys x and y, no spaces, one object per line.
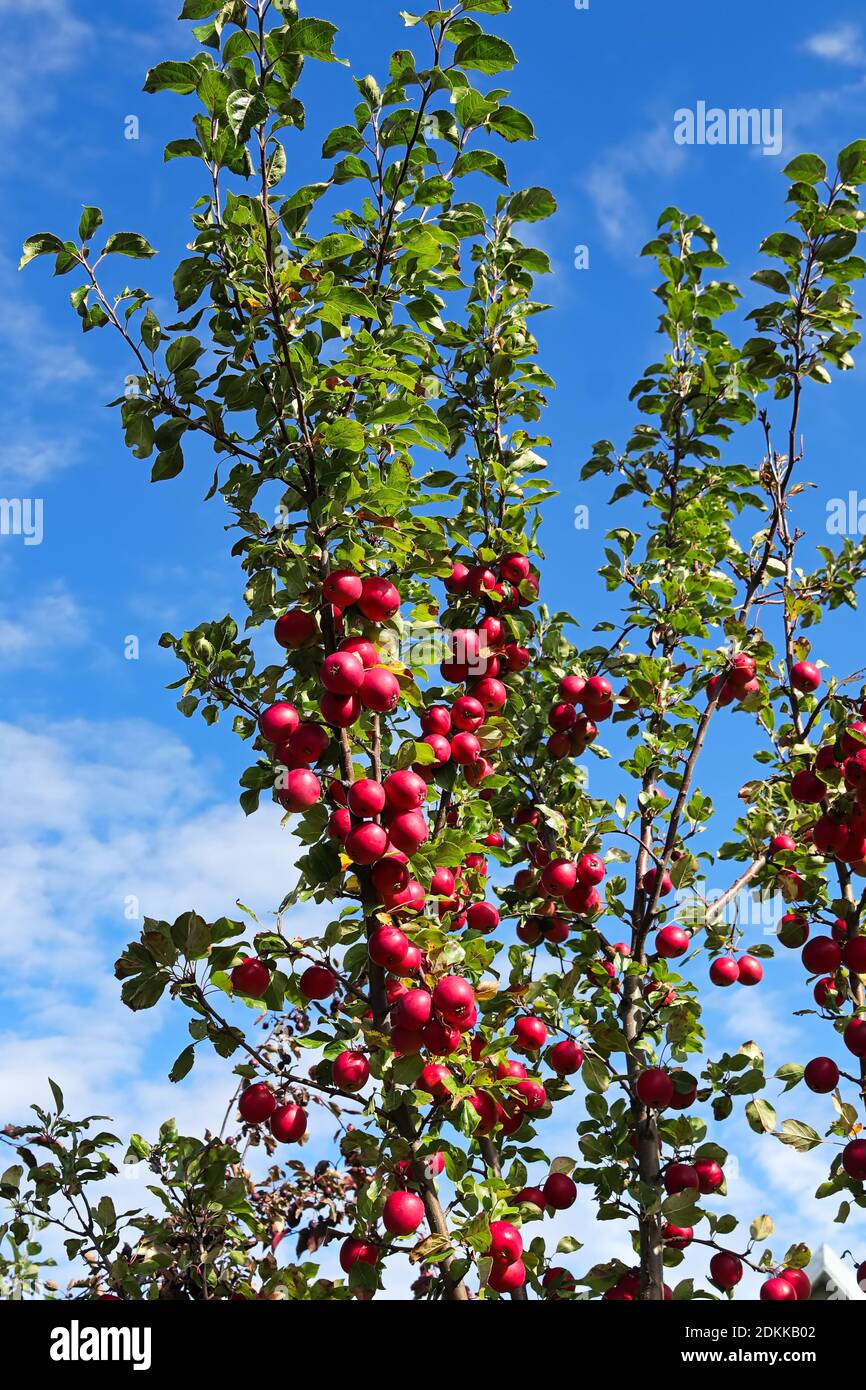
{"x":353,"y":368}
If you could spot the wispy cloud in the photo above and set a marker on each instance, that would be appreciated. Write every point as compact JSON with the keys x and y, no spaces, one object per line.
{"x":39,"y":633}
{"x":841,"y":44}
{"x":56,"y":37}
{"x":613,"y":180}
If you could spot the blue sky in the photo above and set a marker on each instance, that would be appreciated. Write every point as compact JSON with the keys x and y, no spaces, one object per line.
{"x":113,"y":802}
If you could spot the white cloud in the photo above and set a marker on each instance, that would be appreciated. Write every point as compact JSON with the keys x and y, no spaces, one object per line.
{"x":50,"y":29}
{"x":41,"y":631}
{"x":842,"y":44}
{"x":611,"y":181}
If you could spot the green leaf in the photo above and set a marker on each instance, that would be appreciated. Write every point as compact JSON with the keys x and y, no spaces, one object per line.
{"x":761,"y":1116}
{"x":42,"y":244}
{"x":532,"y":205}
{"x":183,"y":1065}
{"x":313,"y":38}
{"x":168,"y":465}
{"x":183,"y":352}
{"x":344,"y":434}
{"x":172,"y":77}
{"x":57,"y":1094}
{"x":91,"y":219}
{"x":245,"y":110}
{"x":485,"y":53}
{"x":799,"y":1136}
{"x":177,"y":149}
{"x":806,"y":168}
{"x":762,"y":1228}
{"x":128,"y":244}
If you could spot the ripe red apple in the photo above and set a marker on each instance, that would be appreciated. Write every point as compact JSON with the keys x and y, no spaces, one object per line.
{"x":648,"y":882}
{"x":408,"y":831}
{"x":366,"y":798}
{"x":251,"y":978}
{"x":317,"y":982}
{"x":350,"y":1071}
{"x":800,"y":1282}
{"x":655,"y":1088}
{"x":558,"y":1282}
{"x":681,"y":1177}
{"x":530,"y":1033}
{"x":342,"y":588}
{"x":388,"y":947}
{"x":672,"y":941}
{"x":482,"y":917}
{"x":571,"y":688}
{"x":467,"y":714}
{"x":710,"y":1175}
{"x":724,"y":971}
{"x":822,"y":956}
{"x":566,"y":1057}
{"x":440,"y":1038}
{"x":778,"y":1290}
{"x":340,"y":824}
{"x":677,"y":1237}
{"x":854,"y":955}
{"x":454,"y":999}
{"x":278,"y":722}
{"x":559,"y":877}
{"x":465,"y":749}
{"x":433,"y":1080}
{"x":289,"y":1123}
{"x":380,"y":691}
{"x":379,"y":600}
{"x":295,"y":628}
{"x":560,"y":1191}
{"x":531,"y":1094}
{"x":307,"y":743}
{"x":352,"y":1250}
{"x":403,"y":1213}
{"x":532,"y":1196}
{"x":491,"y":694}
{"x":405,"y":790}
{"x":302,"y":790}
{"x":807,"y":788}
{"x":805,"y":677}
{"x":514,"y":568}
{"x":590,"y":870}
{"x":793,"y":930}
{"x":339,"y":711}
{"x":686,"y":1093}
{"x":367,"y":843}
{"x":391,"y":874}
{"x":855,"y":1037}
{"x":507,"y":1278}
{"x":726,"y":1270}
{"x":257,"y":1103}
{"x":414,"y":1009}
{"x":458,"y":580}
{"x":442,"y":884}
{"x":827,"y":996}
{"x":821,"y":1075}
{"x":782,"y":844}
{"x":562,"y":716}
{"x":342,"y":673}
{"x":436,"y":720}
{"x":854,"y":1159}
{"x":750,"y":971}
{"x":506,"y":1243}
{"x":486,"y":1109}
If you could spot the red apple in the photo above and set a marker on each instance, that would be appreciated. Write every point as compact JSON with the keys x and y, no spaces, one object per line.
{"x":353,"y":1250}
{"x":379,"y":600}
{"x":530,"y":1033}
{"x":380,"y":691}
{"x":805,"y":677}
{"x":726,"y":1270}
{"x":317,"y":982}
{"x":289,"y":1123}
{"x":367,"y":843}
{"x":257,"y":1103}
{"x":566,"y":1057}
{"x":672,"y":941}
{"x":724,"y":971}
{"x":295,"y":628}
{"x":388,"y":947}
{"x":342,"y":673}
{"x":751,"y":971}
{"x":821,"y":1075}
{"x":854,"y":1159}
{"x":655,"y":1088}
{"x":560,"y":1192}
{"x":454,"y":999}
{"x":342,"y":588}
{"x":778,"y":1290}
{"x":251,"y":978}
{"x":278,"y":722}
{"x":302,"y":790}
{"x":403,"y":1213}
{"x":350,"y":1071}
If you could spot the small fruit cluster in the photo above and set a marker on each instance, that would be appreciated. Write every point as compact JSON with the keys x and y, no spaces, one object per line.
{"x":786,"y":1286}
{"x":573,"y":732}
